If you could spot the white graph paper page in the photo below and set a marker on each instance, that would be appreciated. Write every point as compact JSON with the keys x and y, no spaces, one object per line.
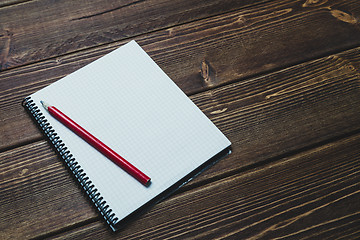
{"x":125,"y":100}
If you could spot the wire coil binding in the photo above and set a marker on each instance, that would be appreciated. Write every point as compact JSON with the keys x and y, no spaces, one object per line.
{"x":70,"y":162}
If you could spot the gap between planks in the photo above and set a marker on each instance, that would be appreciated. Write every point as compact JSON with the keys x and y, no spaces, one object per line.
{"x":119,"y":41}
{"x":254,"y":76}
{"x":329,"y":146}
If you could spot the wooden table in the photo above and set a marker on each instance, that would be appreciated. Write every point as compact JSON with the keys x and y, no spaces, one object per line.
{"x":280,"y":78}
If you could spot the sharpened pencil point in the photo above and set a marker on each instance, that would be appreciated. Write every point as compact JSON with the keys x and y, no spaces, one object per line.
{"x":45,"y":105}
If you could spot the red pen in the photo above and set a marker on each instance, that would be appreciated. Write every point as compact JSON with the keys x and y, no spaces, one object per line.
{"x":97,"y":144}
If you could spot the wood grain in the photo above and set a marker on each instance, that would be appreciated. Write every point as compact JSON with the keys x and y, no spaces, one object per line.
{"x":5,"y":3}
{"x":287,"y":110}
{"x":280,"y":78}
{"x":264,"y":117}
{"x":81,"y":25}
{"x":229,"y":52}
{"x":254,"y":95}
{"x":249,"y":42}
{"x":36,"y":192}
{"x":267,"y":34}
{"x":311,"y":195}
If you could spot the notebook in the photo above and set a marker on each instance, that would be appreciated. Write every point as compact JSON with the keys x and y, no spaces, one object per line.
{"x":126,"y":100}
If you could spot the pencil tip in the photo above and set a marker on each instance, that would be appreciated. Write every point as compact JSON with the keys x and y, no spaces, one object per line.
{"x":45,"y":105}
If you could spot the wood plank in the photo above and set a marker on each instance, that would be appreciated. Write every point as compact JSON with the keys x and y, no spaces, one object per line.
{"x":314,"y":194}
{"x":29,"y":37}
{"x":250,"y":42}
{"x":37,"y":192}
{"x":229,"y":52}
{"x":285,"y":111}
{"x":5,"y":3}
{"x":257,"y":28}
{"x":264,"y":117}
{"x":248,"y":102}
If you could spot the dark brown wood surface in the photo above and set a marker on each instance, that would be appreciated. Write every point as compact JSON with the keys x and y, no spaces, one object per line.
{"x":280,"y":78}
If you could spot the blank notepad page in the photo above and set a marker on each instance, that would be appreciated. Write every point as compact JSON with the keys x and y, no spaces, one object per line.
{"x":130,"y":104}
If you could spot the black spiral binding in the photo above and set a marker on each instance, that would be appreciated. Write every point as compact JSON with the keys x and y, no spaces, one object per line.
{"x":70,"y":162}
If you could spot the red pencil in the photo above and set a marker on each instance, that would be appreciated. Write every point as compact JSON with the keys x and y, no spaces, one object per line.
{"x":97,"y":144}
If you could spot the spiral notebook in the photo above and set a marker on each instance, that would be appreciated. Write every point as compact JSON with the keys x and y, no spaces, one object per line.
{"x":130,"y":104}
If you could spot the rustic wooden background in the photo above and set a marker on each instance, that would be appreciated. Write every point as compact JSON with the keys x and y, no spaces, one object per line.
{"x":280,"y":78}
